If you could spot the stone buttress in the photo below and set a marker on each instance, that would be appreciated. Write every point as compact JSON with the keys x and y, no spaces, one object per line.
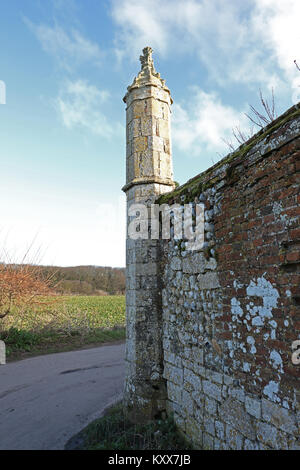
{"x":148,"y":174}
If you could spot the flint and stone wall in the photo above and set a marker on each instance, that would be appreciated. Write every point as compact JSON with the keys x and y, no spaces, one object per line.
{"x":231,"y":311}
{"x":210,"y":332}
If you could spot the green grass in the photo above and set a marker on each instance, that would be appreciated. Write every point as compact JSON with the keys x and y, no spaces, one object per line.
{"x":114,"y":432}
{"x":64,"y":323}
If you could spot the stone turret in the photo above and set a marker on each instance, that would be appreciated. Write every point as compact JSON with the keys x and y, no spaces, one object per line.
{"x":148,"y":155}
{"x":148,"y":174}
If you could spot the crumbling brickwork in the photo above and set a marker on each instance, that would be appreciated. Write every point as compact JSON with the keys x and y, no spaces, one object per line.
{"x":216,"y":325}
{"x":231,"y":311}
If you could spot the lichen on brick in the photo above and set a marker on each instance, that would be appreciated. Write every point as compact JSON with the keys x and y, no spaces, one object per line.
{"x":217,"y":325}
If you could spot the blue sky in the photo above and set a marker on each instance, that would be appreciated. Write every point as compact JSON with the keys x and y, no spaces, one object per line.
{"x":66,"y":65}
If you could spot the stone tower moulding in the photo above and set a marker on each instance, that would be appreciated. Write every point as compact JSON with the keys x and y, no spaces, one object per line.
{"x":149,"y":173}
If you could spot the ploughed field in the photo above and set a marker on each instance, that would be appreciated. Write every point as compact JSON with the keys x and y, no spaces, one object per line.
{"x":63,"y":323}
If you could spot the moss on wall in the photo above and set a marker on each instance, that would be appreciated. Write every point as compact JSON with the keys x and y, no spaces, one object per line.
{"x":204,"y":180}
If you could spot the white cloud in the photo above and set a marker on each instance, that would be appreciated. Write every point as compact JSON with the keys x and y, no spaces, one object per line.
{"x":70,"y":49}
{"x":276,"y":22}
{"x":251,"y":41}
{"x":201,"y":125}
{"x":140,"y":25}
{"x":82,"y":105}
{"x":211,"y":29}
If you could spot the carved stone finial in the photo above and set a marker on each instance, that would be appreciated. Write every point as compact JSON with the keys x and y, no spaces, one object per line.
{"x":146,"y":58}
{"x":147,"y":74}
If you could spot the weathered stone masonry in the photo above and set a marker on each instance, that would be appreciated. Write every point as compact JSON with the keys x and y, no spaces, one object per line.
{"x":148,"y":174}
{"x":226,"y":316}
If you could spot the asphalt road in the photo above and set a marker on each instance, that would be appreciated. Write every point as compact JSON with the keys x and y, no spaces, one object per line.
{"x":47,"y":399}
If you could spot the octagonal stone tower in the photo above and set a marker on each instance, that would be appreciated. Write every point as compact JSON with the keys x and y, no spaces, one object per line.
{"x":148,"y":174}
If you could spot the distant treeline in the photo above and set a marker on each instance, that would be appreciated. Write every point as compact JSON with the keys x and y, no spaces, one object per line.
{"x":86,"y":280}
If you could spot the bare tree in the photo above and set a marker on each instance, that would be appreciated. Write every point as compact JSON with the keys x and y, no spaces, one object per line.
{"x":229,"y":144}
{"x":22,"y":283}
{"x":241,"y":136}
{"x":259,"y":120}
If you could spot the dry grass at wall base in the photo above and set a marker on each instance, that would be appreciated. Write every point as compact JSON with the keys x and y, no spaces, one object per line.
{"x":114,"y":432}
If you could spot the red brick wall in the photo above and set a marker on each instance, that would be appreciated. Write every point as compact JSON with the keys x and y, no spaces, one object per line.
{"x":231,"y":311}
